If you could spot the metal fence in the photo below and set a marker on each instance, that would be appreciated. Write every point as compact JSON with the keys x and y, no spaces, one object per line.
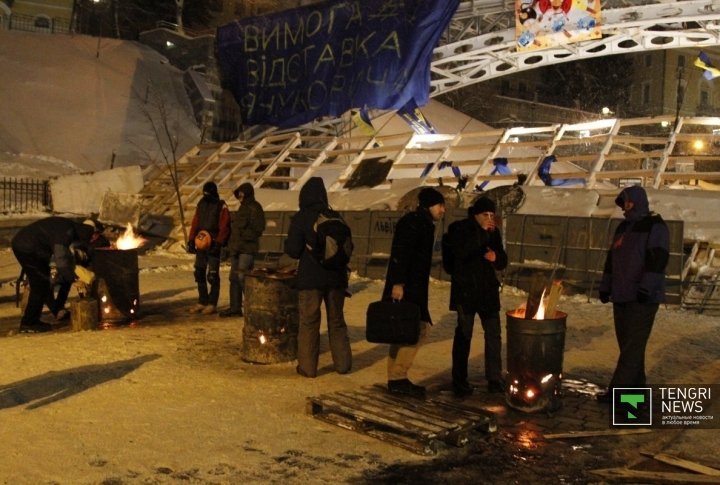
{"x":18,"y":195}
{"x":30,"y":23}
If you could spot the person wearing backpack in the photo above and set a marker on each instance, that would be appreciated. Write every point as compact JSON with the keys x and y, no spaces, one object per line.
{"x":472,"y":253}
{"x":211,"y":218}
{"x":408,"y":278}
{"x":317,"y":281}
{"x":246,"y":227}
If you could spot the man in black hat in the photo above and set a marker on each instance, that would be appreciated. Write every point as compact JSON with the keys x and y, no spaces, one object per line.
{"x":212,"y":215}
{"x":477,"y":253}
{"x":408,"y":278}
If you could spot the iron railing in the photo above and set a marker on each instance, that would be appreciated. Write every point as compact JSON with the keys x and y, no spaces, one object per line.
{"x":19,"y":195}
{"x":31,"y":23}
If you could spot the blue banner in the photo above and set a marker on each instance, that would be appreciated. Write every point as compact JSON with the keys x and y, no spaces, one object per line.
{"x":291,"y":67}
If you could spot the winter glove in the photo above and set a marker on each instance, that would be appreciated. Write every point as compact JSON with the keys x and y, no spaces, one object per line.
{"x":643,"y":296}
{"x":191,"y":246}
{"x":604,"y":297}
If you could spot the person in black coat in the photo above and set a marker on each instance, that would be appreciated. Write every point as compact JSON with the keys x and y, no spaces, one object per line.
{"x":477,"y":252}
{"x":247,"y":224}
{"x":317,"y":284}
{"x":408,"y":277}
{"x":34,"y":246}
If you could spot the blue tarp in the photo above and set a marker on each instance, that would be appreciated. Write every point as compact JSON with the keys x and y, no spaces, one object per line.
{"x":291,"y":67}
{"x":549,"y":180}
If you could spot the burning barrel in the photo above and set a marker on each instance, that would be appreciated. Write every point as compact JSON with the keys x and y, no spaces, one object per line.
{"x":118,"y":289}
{"x":534,"y":362}
{"x":271,"y":318}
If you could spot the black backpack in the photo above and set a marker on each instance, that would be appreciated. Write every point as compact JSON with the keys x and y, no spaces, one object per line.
{"x":333,"y":245}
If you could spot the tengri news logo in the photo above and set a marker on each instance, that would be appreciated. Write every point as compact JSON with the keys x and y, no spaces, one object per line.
{"x":632,"y":406}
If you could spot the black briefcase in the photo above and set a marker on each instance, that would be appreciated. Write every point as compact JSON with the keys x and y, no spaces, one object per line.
{"x":393,"y":322}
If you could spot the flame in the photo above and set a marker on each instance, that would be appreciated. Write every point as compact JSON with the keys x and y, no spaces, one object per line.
{"x":128,"y":239}
{"x":540,"y":315}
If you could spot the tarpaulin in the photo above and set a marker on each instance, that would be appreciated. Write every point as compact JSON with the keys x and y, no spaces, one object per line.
{"x":291,"y":67}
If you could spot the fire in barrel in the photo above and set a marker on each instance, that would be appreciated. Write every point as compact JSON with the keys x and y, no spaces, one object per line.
{"x":116,"y":271}
{"x":271,"y":318}
{"x":535,"y":346}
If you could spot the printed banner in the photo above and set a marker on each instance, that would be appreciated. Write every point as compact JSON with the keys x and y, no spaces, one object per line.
{"x":540,"y":24}
{"x":291,"y":67}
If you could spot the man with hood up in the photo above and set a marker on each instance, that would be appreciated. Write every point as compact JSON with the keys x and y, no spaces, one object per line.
{"x":634,"y":280}
{"x":212,"y":215}
{"x":408,"y":278}
{"x":34,"y":246}
{"x":246,"y":227}
{"x":317,"y":284}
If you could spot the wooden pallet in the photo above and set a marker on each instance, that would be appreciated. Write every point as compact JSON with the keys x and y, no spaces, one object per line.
{"x":421,"y":426}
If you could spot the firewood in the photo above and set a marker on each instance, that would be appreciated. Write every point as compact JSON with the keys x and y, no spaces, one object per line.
{"x":537,"y":286}
{"x":553,"y":299}
{"x":83,"y":314}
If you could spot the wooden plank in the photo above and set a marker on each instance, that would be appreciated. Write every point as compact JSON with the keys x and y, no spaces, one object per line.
{"x":682,"y":463}
{"x":588,"y":434}
{"x":626,"y":474}
{"x":384,"y":415}
{"x":403,"y":409}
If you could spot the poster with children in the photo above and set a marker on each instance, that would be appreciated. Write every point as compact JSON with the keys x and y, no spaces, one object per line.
{"x":540,"y":24}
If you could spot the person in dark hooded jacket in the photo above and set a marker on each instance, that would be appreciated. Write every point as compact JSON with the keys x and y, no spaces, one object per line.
{"x":246,"y":227}
{"x":408,"y":278}
{"x":34,"y":246}
{"x":478,"y":252}
{"x":211,"y":215}
{"x":634,"y":280}
{"x":317,"y":284}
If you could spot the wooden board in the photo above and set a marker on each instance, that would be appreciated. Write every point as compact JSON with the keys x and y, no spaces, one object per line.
{"x":422,"y":426}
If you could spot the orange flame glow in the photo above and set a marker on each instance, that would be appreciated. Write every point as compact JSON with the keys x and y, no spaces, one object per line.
{"x":540,"y":315}
{"x":128,"y":239}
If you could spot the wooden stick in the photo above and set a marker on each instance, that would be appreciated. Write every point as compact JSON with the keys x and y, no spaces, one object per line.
{"x":647,"y":476}
{"x":682,"y":463}
{"x":534,"y":299}
{"x":585,"y":434}
{"x":553,"y":299}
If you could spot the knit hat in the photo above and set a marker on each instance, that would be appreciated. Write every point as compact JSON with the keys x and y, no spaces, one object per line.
{"x":210,"y":188}
{"x":483,"y":204}
{"x":429,"y":197}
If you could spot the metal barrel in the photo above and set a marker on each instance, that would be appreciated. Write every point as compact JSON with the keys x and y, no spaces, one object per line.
{"x":271,"y":318}
{"x":535,"y":351}
{"x":117,"y":284}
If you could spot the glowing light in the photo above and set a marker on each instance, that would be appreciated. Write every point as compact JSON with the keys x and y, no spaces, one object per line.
{"x":698,"y":145}
{"x":664,"y":124}
{"x":106,"y":309}
{"x":128,"y":239}
{"x":540,"y":315}
{"x":546,"y":378}
{"x":530,"y":394}
{"x":104,"y":298}
{"x":262,"y":339}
